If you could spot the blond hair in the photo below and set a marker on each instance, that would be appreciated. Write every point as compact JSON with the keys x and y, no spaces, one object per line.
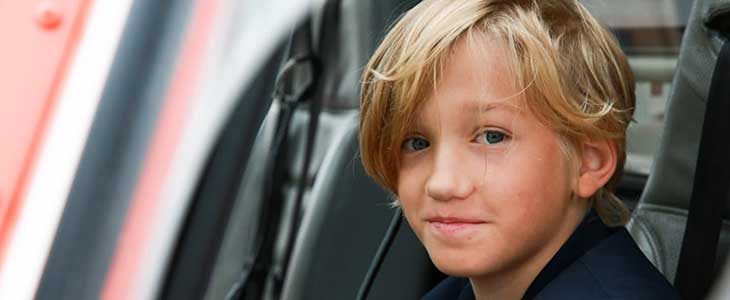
{"x":575,"y":77}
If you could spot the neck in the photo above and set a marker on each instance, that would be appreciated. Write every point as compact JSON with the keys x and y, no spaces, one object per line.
{"x":513,"y":281}
{"x":510,"y":284}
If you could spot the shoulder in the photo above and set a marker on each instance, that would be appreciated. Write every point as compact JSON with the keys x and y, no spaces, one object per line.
{"x":613,"y":269}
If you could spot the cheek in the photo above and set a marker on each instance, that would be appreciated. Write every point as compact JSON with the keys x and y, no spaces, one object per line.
{"x":411,"y":180}
{"x":530,"y":185}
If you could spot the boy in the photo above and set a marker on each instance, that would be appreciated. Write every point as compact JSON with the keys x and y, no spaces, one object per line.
{"x":500,"y":128}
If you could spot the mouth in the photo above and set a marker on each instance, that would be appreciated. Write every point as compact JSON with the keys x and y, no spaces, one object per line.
{"x":453,"y":226}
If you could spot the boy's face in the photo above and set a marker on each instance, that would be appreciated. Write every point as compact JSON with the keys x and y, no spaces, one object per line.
{"x":482,"y":182}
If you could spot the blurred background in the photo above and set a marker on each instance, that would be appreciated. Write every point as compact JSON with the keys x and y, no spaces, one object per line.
{"x":140,"y":137}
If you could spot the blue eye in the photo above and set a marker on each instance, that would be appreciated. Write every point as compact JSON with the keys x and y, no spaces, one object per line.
{"x":415,"y":144}
{"x":491,"y":137}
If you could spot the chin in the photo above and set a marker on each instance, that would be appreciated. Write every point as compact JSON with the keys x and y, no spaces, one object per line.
{"x":463,"y":263}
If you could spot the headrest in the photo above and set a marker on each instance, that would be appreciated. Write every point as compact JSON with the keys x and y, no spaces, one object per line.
{"x":347,"y":46}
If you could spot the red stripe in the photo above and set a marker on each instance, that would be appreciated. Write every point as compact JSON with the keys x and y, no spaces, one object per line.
{"x":145,"y":206}
{"x":74,"y":13}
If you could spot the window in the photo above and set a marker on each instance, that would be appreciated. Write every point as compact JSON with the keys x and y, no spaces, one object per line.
{"x":650,"y":32}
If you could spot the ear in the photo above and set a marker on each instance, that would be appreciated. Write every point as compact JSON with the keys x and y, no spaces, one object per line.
{"x":597,"y":165}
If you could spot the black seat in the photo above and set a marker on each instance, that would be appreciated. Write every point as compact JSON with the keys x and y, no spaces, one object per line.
{"x":344,"y":213}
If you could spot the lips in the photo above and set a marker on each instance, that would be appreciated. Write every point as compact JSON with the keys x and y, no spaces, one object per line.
{"x":454,"y":220}
{"x":453,"y":225}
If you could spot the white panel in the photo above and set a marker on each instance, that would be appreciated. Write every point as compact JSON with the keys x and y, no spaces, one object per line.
{"x":61,"y":150}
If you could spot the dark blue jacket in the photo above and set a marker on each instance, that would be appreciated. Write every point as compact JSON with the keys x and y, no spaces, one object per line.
{"x":596,"y":262}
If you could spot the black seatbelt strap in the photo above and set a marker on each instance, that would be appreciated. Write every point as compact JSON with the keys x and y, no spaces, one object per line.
{"x":377,"y":261}
{"x":328,"y":21}
{"x":288,"y":95}
{"x":695,"y":271}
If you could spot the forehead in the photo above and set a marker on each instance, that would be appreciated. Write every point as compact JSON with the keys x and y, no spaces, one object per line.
{"x":477,"y":76}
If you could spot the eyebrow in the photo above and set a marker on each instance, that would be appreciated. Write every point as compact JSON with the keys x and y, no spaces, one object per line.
{"x":476,"y":107}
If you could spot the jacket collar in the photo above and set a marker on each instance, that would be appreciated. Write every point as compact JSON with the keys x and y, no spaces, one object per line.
{"x":589,"y":233}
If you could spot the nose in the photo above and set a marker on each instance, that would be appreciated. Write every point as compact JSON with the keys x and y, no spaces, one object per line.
{"x":449,"y":178}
